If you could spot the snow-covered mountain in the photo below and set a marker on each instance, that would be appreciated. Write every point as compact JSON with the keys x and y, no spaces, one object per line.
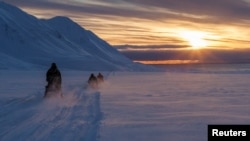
{"x":30,"y":43}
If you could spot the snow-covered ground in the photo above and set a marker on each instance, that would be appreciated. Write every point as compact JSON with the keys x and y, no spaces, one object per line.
{"x":129,"y":106}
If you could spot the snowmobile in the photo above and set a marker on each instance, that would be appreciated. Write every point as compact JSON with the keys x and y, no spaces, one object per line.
{"x":53,"y":90}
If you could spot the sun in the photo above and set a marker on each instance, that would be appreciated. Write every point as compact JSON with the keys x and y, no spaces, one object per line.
{"x":195,"y":39}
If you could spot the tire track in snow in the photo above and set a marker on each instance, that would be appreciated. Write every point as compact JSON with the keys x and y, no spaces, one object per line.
{"x":75,"y":117}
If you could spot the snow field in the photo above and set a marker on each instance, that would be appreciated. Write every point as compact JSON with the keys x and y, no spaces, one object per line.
{"x":172,"y":106}
{"x":30,"y":117}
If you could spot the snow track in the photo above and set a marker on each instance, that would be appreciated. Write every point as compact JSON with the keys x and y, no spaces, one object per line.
{"x":75,"y":117}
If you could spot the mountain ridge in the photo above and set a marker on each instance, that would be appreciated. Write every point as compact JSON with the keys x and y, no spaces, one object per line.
{"x":39,"y":42}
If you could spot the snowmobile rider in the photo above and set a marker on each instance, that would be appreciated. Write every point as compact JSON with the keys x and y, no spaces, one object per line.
{"x":100,"y":78}
{"x":53,"y":77}
{"x":92,"y":81}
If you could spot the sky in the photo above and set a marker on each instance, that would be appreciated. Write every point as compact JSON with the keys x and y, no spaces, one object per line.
{"x":169,"y":31}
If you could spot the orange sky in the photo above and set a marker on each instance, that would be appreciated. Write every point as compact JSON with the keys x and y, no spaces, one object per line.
{"x":193,"y":24}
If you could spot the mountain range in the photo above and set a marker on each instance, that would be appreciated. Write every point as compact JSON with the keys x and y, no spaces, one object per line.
{"x":27,"y":42}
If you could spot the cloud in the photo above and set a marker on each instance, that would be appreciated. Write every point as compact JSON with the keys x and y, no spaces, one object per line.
{"x":193,"y":10}
{"x":85,"y":8}
{"x":150,"y":47}
{"x":147,"y":22}
{"x":225,"y":9}
{"x":204,"y":55}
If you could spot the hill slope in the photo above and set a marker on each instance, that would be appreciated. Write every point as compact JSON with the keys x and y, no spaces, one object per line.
{"x":36,"y":43}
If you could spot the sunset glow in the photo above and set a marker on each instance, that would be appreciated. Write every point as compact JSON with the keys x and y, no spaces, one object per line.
{"x":167,"y":25}
{"x":169,"y":62}
{"x":195,"y":39}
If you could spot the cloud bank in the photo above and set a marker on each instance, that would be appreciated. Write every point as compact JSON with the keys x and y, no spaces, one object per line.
{"x":151,"y":28}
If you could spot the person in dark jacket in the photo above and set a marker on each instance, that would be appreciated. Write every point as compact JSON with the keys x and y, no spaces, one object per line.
{"x":92,"y":81}
{"x":53,"y":77}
